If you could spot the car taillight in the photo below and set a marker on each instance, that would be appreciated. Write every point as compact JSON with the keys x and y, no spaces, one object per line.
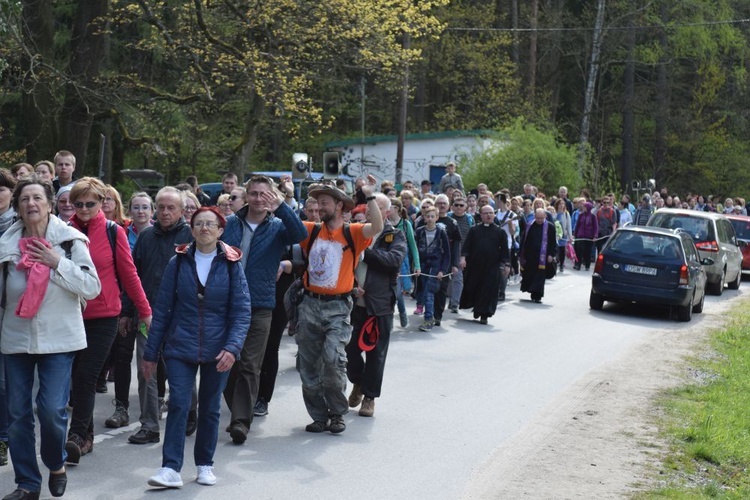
{"x":708,"y":246}
{"x":683,"y":275}
{"x":599,"y":263}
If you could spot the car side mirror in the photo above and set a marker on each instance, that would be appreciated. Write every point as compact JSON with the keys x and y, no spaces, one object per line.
{"x":707,"y":261}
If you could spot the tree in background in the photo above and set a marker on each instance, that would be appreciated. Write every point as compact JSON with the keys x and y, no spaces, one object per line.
{"x":524,"y":154}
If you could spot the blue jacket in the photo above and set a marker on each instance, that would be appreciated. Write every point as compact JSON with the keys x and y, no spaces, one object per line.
{"x":272,"y":236}
{"x":192,"y":326}
{"x":436,"y":256}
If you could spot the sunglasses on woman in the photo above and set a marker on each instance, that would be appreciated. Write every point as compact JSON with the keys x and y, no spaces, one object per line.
{"x":88,"y":204}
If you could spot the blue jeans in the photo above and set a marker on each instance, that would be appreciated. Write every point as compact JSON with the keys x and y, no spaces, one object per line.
{"x":181,"y":378}
{"x":429,"y":288}
{"x":54,"y":388}
{"x":405,"y":280}
{"x":3,"y":402}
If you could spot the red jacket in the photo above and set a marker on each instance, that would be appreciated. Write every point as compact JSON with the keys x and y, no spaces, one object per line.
{"x":107,"y":304}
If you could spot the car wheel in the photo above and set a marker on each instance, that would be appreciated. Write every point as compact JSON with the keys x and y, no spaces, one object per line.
{"x":718,"y":287}
{"x":735,"y":285}
{"x":596,"y":301}
{"x":685,"y":313}
{"x":698,"y":308}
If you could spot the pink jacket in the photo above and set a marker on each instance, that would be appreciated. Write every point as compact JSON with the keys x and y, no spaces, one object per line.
{"x":108,"y":304}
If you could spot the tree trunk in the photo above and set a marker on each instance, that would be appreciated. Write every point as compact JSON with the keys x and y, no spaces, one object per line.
{"x":242,"y":152}
{"x":533,"y":40}
{"x":88,"y":48}
{"x":514,"y":53}
{"x":37,"y":100}
{"x":662,"y":99}
{"x":628,"y":115}
{"x":588,"y":100}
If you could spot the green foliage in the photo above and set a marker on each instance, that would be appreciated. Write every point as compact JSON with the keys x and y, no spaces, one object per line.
{"x":526,"y":154}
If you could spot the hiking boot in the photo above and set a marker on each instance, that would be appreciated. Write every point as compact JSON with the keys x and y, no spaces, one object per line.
{"x":260,"y":409}
{"x":76,"y":447}
{"x":368,"y":407}
{"x":238,"y":432}
{"x":3,"y":453}
{"x":166,"y":478}
{"x":355,"y":397}
{"x":144,"y":437}
{"x":427,"y":325}
{"x":337,"y":424}
{"x":419,"y":310}
{"x":119,"y":418}
{"x":317,"y":426}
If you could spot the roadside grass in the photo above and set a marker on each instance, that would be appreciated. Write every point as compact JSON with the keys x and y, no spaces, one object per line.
{"x":707,"y":423}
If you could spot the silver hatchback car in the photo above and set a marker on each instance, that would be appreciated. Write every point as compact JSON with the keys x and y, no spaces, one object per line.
{"x":714,"y":238}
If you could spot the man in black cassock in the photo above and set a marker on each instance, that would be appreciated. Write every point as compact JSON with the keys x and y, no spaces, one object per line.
{"x":537,"y":253}
{"x":483,"y":257}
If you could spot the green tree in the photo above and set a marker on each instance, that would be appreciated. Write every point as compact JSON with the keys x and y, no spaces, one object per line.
{"x":525,"y":154}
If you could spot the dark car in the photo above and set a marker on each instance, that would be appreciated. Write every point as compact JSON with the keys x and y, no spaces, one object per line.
{"x":715,"y":239}
{"x":741,"y":225}
{"x":653,"y":266}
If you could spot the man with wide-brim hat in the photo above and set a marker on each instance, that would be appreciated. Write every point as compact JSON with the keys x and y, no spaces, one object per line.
{"x":323,"y":326}
{"x":316,"y":190}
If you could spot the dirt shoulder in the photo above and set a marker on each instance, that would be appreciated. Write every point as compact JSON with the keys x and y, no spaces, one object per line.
{"x":598,"y":439}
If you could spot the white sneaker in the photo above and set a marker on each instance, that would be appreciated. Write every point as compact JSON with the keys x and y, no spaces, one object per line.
{"x":166,"y":478}
{"x":206,"y":475}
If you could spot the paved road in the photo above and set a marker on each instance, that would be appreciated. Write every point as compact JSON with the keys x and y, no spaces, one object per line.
{"x":450,"y":398}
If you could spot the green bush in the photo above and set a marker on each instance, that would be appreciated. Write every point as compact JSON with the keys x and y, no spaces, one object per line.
{"x":525,"y":154}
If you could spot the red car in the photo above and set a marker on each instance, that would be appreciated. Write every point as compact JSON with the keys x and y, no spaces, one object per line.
{"x":741,"y":224}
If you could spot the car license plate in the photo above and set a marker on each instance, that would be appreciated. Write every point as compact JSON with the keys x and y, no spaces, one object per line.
{"x":651,"y":271}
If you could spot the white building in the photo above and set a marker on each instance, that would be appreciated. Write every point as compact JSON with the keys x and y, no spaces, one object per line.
{"x":425,"y":155}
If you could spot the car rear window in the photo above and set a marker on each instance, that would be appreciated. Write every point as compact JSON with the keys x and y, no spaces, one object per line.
{"x":639,"y":244}
{"x":699,"y":228}
{"x":742,"y":228}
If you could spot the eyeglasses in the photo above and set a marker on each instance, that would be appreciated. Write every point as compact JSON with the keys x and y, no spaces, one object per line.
{"x":233,"y":197}
{"x":207,"y":224}
{"x":88,"y":204}
{"x":459,"y":205}
{"x":191,"y":209}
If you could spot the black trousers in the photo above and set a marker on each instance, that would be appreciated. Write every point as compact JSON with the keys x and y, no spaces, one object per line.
{"x":270,"y":367}
{"x":368,"y":371}
{"x":100,"y":333}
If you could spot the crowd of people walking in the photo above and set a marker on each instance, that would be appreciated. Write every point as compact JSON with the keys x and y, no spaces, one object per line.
{"x":202,"y":288}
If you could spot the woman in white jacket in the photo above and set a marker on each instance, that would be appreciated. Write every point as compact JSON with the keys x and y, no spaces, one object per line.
{"x":45,"y":269}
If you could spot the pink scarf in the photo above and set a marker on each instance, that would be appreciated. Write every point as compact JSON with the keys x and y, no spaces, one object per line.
{"x":37,"y":280}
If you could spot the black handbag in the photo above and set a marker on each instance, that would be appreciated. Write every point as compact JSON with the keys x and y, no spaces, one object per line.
{"x":550,"y":270}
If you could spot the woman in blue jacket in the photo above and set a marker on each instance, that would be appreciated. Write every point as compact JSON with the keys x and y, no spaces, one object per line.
{"x":201,"y":318}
